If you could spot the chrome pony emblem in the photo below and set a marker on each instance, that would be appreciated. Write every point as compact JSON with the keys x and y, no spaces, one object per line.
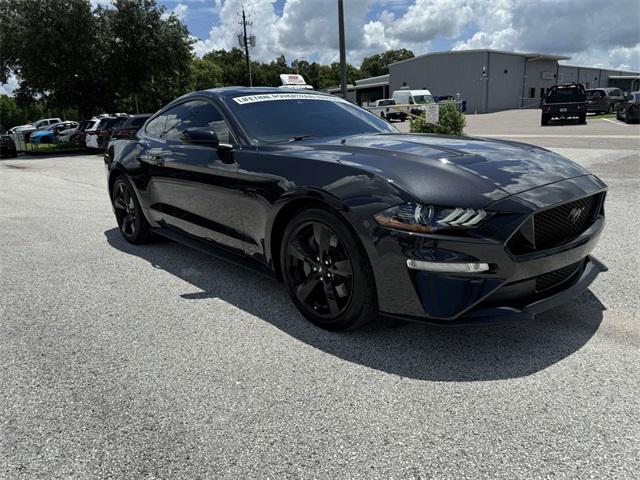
{"x":575,"y":214}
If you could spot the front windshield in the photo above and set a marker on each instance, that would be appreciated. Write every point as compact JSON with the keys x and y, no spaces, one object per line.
{"x":282,"y":117}
{"x":422,"y":99}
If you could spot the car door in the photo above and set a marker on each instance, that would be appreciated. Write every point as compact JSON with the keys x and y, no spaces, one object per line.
{"x":619,"y":98}
{"x":194,"y":187}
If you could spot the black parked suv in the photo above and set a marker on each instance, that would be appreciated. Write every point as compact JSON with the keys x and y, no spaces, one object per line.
{"x":7,"y":147}
{"x":563,"y":102}
{"x":629,"y":110}
{"x":604,"y":100}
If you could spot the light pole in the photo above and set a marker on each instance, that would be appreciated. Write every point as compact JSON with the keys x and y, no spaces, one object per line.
{"x":343,"y":55}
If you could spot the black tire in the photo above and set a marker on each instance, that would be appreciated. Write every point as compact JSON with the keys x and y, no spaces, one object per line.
{"x":611,"y":108}
{"x":382,"y":116}
{"x":619,"y":113}
{"x":326,"y":271}
{"x":132,"y":223}
{"x":626,"y":118}
{"x":403,"y":117}
{"x":582,"y":119}
{"x":544,"y":120}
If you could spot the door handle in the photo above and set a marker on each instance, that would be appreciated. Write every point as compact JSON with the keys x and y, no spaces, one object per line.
{"x":155,"y":160}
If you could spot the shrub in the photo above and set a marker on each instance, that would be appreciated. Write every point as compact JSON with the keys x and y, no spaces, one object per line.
{"x":451,"y":121}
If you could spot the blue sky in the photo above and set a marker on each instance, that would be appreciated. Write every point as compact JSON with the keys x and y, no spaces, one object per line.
{"x":592,"y":32}
{"x":582,"y":29}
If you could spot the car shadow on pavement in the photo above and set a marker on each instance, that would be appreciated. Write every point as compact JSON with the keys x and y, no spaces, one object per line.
{"x":412,"y":350}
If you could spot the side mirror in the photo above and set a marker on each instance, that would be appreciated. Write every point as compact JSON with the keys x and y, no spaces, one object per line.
{"x":204,"y":137}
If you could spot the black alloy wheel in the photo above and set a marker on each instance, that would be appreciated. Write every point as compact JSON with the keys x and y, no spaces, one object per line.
{"x":327,"y":274}
{"x":131,"y":221}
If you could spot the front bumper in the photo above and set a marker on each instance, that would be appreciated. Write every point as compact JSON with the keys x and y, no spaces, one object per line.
{"x":519,"y":308}
{"x":509,"y":290}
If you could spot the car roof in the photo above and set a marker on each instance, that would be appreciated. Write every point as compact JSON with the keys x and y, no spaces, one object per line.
{"x":236,"y":91}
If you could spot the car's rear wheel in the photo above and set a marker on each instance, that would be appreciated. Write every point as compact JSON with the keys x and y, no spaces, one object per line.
{"x":619,"y":113}
{"x":544,"y":120}
{"x":582,"y":119}
{"x":131,"y":221}
{"x":326,"y":271}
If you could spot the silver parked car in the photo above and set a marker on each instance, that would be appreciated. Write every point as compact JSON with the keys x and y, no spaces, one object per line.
{"x":604,"y":100}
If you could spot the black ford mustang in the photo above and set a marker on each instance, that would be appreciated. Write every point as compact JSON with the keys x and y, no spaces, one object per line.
{"x":356,"y":218}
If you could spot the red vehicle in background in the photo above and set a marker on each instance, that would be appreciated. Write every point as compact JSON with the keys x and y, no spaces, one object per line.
{"x":98,"y":134}
{"x":129,"y":126}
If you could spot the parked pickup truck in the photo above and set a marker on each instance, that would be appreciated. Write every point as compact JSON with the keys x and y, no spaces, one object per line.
{"x":385,"y":108}
{"x":564,"y":102}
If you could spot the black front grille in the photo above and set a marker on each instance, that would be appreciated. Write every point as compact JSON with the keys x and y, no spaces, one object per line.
{"x":556,"y":226}
{"x":555,"y":278}
{"x":561,"y":224}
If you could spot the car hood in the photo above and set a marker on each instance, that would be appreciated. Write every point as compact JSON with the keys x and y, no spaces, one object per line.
{"x":441,"y":169}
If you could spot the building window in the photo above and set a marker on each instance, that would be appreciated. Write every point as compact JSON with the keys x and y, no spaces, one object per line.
{"x":532,"y":92}
{"x":506,"y":71}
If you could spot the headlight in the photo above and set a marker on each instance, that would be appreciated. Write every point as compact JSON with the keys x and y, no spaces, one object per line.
{"x":418,"y":218}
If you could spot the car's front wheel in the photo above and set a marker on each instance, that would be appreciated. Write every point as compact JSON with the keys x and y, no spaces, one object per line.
{"x":131,"y":221}
{"x":326,"y":271}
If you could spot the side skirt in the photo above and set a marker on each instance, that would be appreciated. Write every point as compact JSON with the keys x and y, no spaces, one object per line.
{"x":220,"y":253}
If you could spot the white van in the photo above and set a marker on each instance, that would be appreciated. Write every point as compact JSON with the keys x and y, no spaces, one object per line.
{"x":412,"y":97}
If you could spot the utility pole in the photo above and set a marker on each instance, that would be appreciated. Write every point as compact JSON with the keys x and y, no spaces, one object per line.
{"x":245,"y":42}
{"x":343,"y":55}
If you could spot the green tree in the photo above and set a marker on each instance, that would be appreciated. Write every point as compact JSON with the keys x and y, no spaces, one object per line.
{"x":48,"y":44}
{"x":329,"y":75}
{"x":451,"y":121}
{"x":232,"y":63}
{"x":67,"y":55}
{"x":378,"y":64}
{"x":147,"y":57}
{"x":204,"y":75}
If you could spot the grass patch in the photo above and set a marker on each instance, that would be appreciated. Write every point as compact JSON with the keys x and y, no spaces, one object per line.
{"x":599,"y":115}
{"x":50,"y":147}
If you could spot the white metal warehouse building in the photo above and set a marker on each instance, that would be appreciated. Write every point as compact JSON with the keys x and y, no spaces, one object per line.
{"x":489,"y":80}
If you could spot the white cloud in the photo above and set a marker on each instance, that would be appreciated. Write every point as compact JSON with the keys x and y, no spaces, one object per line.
{"x":9,"y":87}
{"x":593,"y":33}
{"x":588,"y":30}
{"x":180,"y":11}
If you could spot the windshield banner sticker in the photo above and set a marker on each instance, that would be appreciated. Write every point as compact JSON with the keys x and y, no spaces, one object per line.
{"x":269,"y":97}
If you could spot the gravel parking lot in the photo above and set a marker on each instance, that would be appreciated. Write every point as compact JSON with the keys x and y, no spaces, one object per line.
{"x":130,"y":362}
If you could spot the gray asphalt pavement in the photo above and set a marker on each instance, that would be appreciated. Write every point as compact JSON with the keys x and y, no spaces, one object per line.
{"x":145,"y":362}
{"x":524,"y":126}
